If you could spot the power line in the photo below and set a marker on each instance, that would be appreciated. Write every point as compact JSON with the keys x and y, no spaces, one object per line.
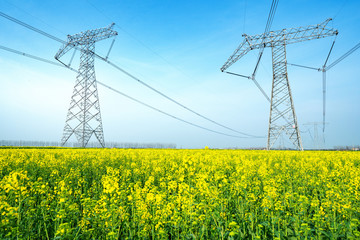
{"x":261,"y":90}
{"x":169,"y":98}
{"x":31,"y":28}
{"x":119,"y":92}
{"x":39,"y":19}
{"x":267,"y":28}
{"x":139,"y":41}
{"x":343,"y":56}
{"x":325,"y":68}
{"x":338,"y":60}
{"x":245,"y":7}
{"x":168,"y":114}
{"x":341,"y":8}
{"x":31,"y":56}
{"x":253,"y":78}
{"x":302,"y":66}
{"x":126,"y":73}
{"x":324,"y":83}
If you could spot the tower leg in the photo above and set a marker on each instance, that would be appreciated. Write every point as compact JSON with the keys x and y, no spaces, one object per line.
{"x":84,"y":118}
{"x":282,"y":111}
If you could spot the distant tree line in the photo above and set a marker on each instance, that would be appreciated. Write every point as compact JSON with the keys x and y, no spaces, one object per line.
{"x":347,"y":148}
{"x":21,"y":143}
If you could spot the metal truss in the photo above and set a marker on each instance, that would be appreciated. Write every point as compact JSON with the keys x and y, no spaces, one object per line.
{"x":84,"y":117}
{"x":282,"y":111}
{"x":273,"y":38}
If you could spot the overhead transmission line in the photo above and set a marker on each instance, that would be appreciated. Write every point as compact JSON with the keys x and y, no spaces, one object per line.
{"x":325,"y":68}
{"x":168,"y":114}
{"x":267,"y":29}
{"x":139,"y":41}
{"x":118,"y":92}
{"x":341,"y":8}
{"x":343,"y":56}
{"x":261,"y":50}
{"x":31,"y":27}
{"x":324,"y":83}
{"x":150,"y":87}
{"x":31,"y":56}
{"x":37,"y":18}
{"x":245,"y":7}
{"x":125,"y":72}
{"x":169,"y":98}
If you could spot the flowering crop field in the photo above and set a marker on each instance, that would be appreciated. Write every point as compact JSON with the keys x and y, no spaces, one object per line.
{"x":178,"y":194}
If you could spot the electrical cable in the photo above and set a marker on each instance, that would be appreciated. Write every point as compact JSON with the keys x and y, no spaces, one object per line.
{"x":139,"y":41}
{"x":38,"y":19}
{"x":343,"y":56}
{"x":261,"y":90}
{"x":331,"y":48}
{"x":302,"y":66}
{"x":125,"y":72}
{"x":119,"y":92}
{"x":324,"y":83}
{"x":169,"y":98}
{"x":245,"y":15}
{"x":170,"y":115}
{"x":325,"y":68}
{"x":341,"y":8}
{"x":31,"y":27}
{"x":267,"y":28}
{"x":30,"y":56}
{"x":357,"y":46}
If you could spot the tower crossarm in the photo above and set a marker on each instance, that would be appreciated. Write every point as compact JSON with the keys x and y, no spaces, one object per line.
{"x":86,"y":37}
{"x":276,"y":38}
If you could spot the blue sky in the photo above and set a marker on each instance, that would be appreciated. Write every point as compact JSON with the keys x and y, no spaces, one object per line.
{"x":178,"y":47}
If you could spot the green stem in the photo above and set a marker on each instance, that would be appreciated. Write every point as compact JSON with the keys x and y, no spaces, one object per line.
{"x":47,"y":234}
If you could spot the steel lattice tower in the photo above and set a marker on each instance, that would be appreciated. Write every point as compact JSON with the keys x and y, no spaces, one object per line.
{"x":282,"y":111}
{"x":84,"y":117}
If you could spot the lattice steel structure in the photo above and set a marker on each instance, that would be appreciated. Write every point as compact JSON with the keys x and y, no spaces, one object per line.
{"x":282,"y":111}
{"x":84,"y":117}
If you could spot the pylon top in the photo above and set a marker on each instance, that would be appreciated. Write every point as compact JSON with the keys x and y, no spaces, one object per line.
{"x":276,"y":38}
{"x":94,"y":35}
{"x":87,"y":37}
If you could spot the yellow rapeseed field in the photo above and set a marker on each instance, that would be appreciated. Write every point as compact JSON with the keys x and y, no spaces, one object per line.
{"x":178,"y":194}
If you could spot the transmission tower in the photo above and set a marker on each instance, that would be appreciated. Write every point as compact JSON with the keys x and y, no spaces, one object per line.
{"x":84,"y":118}
{"x":318,"y":144}
{"x":282,"y":111}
